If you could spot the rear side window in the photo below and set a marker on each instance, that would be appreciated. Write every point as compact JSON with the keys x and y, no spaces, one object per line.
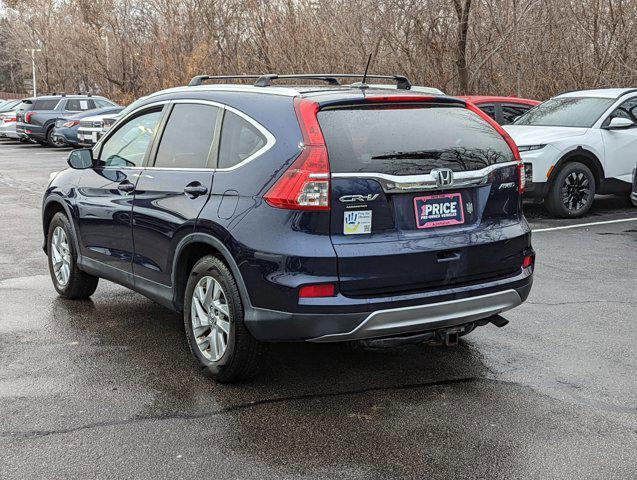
{"x":188,"y":136}
{"x":239,"y":140}
{"x":410,"y":140}
{"x":511,"y":112}
{"x":44,"y":104}
{"x":488,"y":109}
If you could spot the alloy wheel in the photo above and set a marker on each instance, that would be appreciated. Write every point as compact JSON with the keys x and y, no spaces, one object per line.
{"x":576,"y":191}
{"x":210,"y":318}
{"x":60,"y":256}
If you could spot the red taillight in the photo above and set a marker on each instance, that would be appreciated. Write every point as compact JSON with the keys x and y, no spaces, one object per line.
{"x":305,"y":185}
{"x":27,"y":117}
{"x":507,"y":138}
{"x":8,"y":119}
{"x":316,"y":291}
{"x":528,"y":261}
{"x":521,"y":178}
{"x":71,"y":123}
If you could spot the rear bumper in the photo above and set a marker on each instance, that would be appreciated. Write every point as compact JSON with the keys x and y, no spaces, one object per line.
{"x":433,"y":311}
{"x":400,"y":321}
{"x":536,"y":191}
{"x":61,"y":136}
{"x":35,"y":132}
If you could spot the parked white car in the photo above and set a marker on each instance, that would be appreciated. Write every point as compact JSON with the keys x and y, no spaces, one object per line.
{"x":576,"y":145}
{"x":7,"y":125}
{"x":92,"y":128}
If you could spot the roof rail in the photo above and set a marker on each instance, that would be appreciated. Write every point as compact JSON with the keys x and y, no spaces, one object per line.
{"x":199,"y":79}
{"x":402,"y":82}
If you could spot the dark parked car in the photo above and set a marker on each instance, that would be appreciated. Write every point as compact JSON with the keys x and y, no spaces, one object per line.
{"x":36,"y":116}
{"x":336,"y":213}
{"x":503,"y":110}
{"x":66,"y":128}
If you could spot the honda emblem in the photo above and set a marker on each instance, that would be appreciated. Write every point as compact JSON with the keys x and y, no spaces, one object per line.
{"x":443,"y":176}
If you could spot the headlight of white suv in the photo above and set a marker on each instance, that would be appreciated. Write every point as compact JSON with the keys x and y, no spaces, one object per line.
{"x":528,"y":148}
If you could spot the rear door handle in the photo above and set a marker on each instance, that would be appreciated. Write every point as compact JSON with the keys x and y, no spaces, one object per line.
{"x":194,"y":189}
{"x":126,"y":186}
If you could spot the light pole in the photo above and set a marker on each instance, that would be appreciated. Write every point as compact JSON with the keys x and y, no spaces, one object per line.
{"x":33,"y":50}
{"x":108,"y":83}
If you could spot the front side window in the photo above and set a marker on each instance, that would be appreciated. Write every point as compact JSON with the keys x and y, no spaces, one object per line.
{"x":628,"y":110}
{"x":566,"y":112}
{"x":128,"y":145}
{"x":239,"y":140}
{"x":79,"y":105}
{"x":188,"y":136}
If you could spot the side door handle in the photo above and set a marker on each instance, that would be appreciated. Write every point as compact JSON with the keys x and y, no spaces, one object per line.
{"x":126,"y":186}
{"x":194,"y":189}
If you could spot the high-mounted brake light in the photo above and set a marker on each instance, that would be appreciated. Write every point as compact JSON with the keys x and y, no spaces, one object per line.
{"x":507,"y":138}
{"x":305,"y":185}
{"x":27,"y":117}
{"x":399,"y":98}
{"x":317,"y":291}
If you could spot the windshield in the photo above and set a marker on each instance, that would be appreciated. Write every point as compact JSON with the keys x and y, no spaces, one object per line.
{"x":566,"y":112}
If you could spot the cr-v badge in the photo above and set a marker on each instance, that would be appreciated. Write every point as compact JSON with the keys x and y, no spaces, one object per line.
{"x":359,"y":198}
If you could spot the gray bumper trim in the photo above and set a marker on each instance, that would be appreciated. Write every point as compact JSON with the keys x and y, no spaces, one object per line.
{"x":419,"y":318}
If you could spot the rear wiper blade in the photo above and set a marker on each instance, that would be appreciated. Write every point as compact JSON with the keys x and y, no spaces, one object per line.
{"x":418,"y":154}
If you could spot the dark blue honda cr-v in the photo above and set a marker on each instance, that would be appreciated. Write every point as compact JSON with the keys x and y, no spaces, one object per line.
{"x":297,"y":213}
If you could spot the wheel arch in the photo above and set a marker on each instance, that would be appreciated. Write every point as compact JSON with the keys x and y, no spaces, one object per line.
{"x":52,"y":206}
{"x":584,"y":156}
{"x":194,"y":247}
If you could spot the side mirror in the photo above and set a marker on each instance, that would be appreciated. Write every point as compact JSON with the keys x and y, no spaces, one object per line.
{"x":80,"y":159}
{"x":620,"y":123}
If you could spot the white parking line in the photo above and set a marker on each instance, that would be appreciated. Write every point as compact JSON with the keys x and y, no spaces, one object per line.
{"x":585,"y":225}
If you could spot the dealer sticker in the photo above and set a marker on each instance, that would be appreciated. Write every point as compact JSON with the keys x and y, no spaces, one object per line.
{"x":357,"y":223}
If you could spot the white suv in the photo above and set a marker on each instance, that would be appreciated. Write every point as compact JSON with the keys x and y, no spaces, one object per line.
{"x":576,"y":145}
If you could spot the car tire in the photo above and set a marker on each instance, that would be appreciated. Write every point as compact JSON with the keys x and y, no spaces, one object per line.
{"x":214,"y":326}
{"x":572,"y":191}
{"x":69,"y":281}
{"x":50,"y":141}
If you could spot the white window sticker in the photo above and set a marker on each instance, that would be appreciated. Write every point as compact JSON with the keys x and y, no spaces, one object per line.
{"x":83,"y":105}
{"x":357,"y":222}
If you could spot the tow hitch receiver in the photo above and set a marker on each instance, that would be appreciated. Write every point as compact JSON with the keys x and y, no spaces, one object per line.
{"x":449,"y":337}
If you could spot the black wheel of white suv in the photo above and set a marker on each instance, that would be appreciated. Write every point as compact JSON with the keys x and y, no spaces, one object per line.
{"x":213,"y":321}
{"x":572,"y":191}
{"x":69,"y":281}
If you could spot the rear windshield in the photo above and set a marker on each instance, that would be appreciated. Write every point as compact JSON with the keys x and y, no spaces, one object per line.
{"x":396,"y":140}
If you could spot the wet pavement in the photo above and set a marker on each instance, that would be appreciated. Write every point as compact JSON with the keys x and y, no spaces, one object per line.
{"x":106,"y":388}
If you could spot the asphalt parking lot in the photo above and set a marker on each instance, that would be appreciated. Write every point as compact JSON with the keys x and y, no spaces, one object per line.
{"x":107,"y":388}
